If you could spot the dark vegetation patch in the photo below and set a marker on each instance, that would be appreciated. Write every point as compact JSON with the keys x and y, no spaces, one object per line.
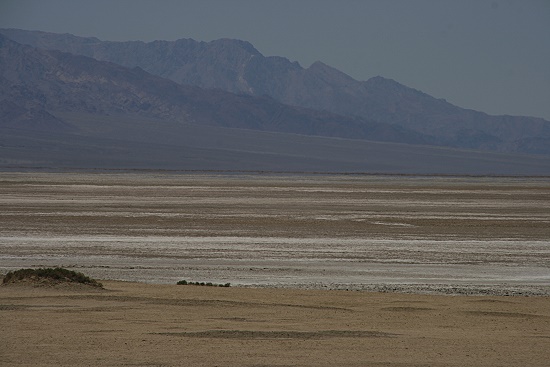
{"x":48,"y":277}
{"x":209,"y":284}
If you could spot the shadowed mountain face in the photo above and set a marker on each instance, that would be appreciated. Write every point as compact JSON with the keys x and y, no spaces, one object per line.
{"x":236,"y":66}
{"x":14,"y":116}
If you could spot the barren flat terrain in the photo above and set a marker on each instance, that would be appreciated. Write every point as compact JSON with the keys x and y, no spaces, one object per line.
{"x":291,"y":246}
{"x":137,"y":324}
{"x":429,"y":234}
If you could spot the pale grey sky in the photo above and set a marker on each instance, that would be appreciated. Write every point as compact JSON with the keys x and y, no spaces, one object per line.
{"x":488,"y":55}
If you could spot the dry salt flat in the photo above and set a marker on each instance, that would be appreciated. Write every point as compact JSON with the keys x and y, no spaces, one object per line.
{"x":458,"y":235}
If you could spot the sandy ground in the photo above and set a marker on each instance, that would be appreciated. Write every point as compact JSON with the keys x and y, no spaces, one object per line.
{"x":136,"y":324}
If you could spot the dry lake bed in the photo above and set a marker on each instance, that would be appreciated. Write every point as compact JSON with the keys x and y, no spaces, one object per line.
{"x":474,"y":254}
{"x":420,"y":234}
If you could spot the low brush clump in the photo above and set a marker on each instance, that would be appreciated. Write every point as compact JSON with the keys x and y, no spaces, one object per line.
{"x":49,"y":276}
{"x":185,"y":282}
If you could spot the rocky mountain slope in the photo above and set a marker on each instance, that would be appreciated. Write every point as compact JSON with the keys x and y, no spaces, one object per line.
{"x":236,"y":66}
{"x":49,"y":81}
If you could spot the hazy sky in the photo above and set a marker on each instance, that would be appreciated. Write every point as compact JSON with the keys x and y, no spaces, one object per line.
{"x":488,"y":55}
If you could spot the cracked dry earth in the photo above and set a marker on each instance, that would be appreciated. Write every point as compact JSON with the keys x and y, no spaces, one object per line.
{"x":290,"y":246}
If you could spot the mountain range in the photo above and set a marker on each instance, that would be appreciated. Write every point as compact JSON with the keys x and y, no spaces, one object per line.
{"x":224,"y":104}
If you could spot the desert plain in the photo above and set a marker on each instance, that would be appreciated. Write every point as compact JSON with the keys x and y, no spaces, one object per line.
{"x":326,"y":270}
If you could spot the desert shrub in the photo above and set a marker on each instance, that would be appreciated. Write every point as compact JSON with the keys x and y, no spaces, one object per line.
{"x":209,"y":284}
{"x":53,"y":274}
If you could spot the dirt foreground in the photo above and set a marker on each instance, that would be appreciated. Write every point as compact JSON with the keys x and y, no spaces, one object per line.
{"x":136,"y":324}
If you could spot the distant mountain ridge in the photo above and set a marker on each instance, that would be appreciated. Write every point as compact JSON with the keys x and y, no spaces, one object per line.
{"x":236,"y":66}
{"x":52,"y":81}
{"x":60,"y":110}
